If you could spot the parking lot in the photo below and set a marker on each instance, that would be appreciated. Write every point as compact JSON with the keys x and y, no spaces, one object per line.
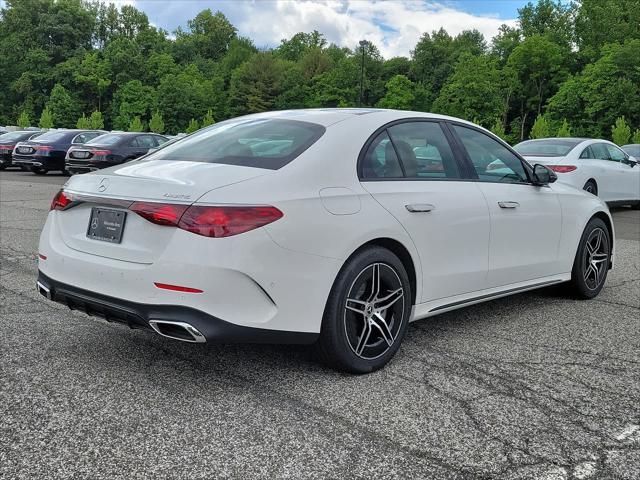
{"x":531,"y":386}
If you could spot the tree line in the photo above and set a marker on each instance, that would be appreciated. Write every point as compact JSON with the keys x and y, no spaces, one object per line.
{"x":564,"y":69}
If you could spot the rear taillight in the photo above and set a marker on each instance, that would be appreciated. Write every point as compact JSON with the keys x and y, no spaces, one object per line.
{"x":562,"y":168}
{"x":6,"y":147}
{"x":44,"y":148}
{"x":61,"y":201}
{"x":101,"y":153}
{"x":220,"y":222}
{"x":166,"y":214}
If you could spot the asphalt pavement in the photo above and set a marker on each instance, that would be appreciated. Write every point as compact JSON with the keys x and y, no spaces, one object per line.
{"x":535,"y":386}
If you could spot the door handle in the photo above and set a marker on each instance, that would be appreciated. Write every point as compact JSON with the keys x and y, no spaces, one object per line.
{"x":420,"y":207}
{"x":508,"y":204}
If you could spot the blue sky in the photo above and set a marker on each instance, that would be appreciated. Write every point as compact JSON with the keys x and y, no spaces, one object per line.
{"x":393,"y":25}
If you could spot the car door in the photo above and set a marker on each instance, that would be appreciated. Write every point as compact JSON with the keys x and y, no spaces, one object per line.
{"x":525,"y":219}
{"x":606,"y":173}
{"x":626,"y":178}
{"x":410,"y":169}
{"x":141,"y":144}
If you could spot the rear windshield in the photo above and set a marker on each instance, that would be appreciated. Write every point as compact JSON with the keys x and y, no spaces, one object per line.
{"x":547,"y":147}
{"x":51,"y":136}
{"x":13,"y":136}
{"x":263,"y":143}
{"x":633,"y":150}
{"x":108,"y":139}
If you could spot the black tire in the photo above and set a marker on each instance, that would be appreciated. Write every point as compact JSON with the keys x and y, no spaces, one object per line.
{"x":591,"y":187}
{"x":3,"y":167}
{"x":585,"y":282}
{"x":635,"y":206}
{"x":360,"y":336}
{"x":39,"y":170}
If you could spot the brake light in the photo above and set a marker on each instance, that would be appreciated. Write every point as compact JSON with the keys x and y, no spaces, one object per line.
{"x":562,"y":168}
{"x":221,"y":222}
{"x":6,"y":147}
{"x":177,"y":288}
{"x":61,"y":201}
{"x":44,"y":148}
{"x":166,"y":214}
{"x":101,"y":152}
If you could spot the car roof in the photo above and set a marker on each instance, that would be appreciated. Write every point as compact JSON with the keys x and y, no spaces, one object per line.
{"x":330,"y":116}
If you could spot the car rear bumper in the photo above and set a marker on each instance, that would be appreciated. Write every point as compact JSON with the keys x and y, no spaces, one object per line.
{"x":5,"y":160}
{"x":48,"y":163}
{"x":156,"y":317}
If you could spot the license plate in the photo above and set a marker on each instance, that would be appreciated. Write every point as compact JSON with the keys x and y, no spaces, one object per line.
{"x":79,"y":154}
{"x":106,"y":224}
{"x":24,"y":150}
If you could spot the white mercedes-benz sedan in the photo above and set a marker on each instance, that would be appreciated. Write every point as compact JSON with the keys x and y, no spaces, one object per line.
{"x":333,"y":227}
{"x":597,"y":166}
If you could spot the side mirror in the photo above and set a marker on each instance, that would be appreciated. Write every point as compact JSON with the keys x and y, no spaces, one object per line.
{"x":543,"y":175}
{"x":630,"y":161}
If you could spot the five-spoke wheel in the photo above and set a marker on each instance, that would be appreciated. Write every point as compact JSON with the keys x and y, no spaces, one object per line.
{"x":367,"y":312}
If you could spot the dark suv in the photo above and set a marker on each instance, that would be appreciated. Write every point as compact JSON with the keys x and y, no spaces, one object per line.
{"x":110,"y":149}
{"x":8,"y":142}
{"x":48,"y":151}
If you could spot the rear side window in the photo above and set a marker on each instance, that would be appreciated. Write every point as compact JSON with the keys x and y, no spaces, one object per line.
{"x":144,"y":141}
{"x":381,"y":160}
{"x":424,"y":150}
{"x":85,"y":137}
{"x":492,"y":161}
{"x":263,"y":143}
{"x":587,"y":153}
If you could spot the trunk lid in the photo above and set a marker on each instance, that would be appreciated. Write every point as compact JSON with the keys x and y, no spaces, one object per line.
{"x":161,"y":181}
{"x":544,"y":160}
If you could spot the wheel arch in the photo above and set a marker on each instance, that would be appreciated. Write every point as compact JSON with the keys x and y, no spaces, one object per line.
{"x":400,"y":251}
{"x":593,"y":180}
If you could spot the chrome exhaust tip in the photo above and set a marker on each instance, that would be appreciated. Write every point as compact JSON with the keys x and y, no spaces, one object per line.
{"x":182,"y":331}
{"x":44,"y":291}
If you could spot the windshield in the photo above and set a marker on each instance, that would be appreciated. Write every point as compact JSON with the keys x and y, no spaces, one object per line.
{"x":51,"y":137}
{"x":549,"y":147}
{"x":262,"y":143}
{"x":108,"y":139}
{"x":13,"y":136}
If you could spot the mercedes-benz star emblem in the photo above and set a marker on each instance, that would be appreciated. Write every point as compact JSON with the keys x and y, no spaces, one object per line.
{"x":104,"y":183}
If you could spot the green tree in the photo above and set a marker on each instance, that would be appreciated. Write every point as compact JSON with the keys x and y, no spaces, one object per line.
{"x":592,"y":100}
{"x":95,"y":74}
{"x":131,"y":100}
{"x":498,"y":129}
{"x":83,"y":122}
{"x":46,"y":119}
{"x":156,"y":124}
{"x":96,"y":121}
{"x":564,"y":130}
{"x":63,"y":107}
{"x":209,"y":36}
{"x":540,"y":128}
{"x":399,"y":94}
{"x":208,"y":119}
{"x":23,"y":120}
{"x":136,"y":125}
{"x":620,"y":132}
{"x":636,"y":136}
{"x":193,"y":126}
{"x":473,"y":91}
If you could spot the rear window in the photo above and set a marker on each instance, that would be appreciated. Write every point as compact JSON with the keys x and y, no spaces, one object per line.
{"x":51,"y":136}
{"x":13,"y":136}
{"x":108,"y":139}
{"x":633,"y":150}
{"x":263,"y":143}
{"x":547,"y":147}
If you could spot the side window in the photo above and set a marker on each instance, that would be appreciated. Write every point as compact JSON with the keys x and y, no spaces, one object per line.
{"x":381,"y":160}
{"x":492,"y":161}
{"x":144,"y":141}
{"x":82,"y":138}
{"x":424,"y":150}
{"x":615,"y":153}
{"x":160,"y":140}
{"x":587,"y":153}
{"x":600,"y":151}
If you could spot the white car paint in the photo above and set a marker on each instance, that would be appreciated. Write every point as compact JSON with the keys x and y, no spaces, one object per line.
{"x":616,"y":181}
{"x":465,"y":249}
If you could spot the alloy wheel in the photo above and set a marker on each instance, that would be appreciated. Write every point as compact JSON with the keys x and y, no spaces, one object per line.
{"x":374,"y":310}
{"x":595,"y":257}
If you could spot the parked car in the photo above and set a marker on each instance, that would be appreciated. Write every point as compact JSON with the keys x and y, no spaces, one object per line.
{"x":633,"y":150}
{"x":48,"y":151}
{"x":340,"y":238}
{"x":110,"y":149}
{"x":598,"y":166}
{"x":8,"y":142}
{"x":171,"y":140}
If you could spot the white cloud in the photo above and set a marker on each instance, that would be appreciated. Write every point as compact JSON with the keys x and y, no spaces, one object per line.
{"x":394,"y":26}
